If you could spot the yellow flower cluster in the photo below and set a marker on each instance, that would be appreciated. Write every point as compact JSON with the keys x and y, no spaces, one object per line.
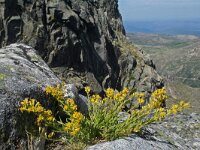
{"x":120,"y":96}
{"x":103,"y":113}
{"x":32,"y":106}
{"x":140,"y":97}
{"x":184,"y":105}
{"x":74,"y":126}
{"x":125,"y":91}
{"x":109,"y":93}
{"x":158,"y":97}
{"x":160,"y":114}
{"x":70,"y":106}
{"x":56,"y":92}
{"x":178,"y":107}
{"x":40,"y":119}
{"x":76,"y":117}
{"x":45,"y":117}
{"x":95,"y":99}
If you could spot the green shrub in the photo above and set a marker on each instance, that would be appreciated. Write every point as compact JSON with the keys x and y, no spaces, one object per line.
{"x":103,"y":121}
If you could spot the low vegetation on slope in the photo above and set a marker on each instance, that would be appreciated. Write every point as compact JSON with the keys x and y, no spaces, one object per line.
{"x":177,"y":58}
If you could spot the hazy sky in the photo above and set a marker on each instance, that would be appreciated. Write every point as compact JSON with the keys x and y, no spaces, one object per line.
{"x":159,"y":9}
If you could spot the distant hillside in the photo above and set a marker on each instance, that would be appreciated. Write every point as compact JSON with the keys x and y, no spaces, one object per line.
{"x":177,"y":58}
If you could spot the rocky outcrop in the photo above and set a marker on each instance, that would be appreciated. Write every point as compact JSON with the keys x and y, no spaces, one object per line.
{"x":138,"y":72}
{"x":23,"y":74}
{"x":74,"y":34}
{"x":178,"y":133}
{"x":133,"y":143}
{"x":75,"y":37}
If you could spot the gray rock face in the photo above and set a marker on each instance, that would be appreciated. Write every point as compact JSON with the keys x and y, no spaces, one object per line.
{"x":139,"y":73}
{"x":75,"y":38}
{"x":176,"y":133}
{"x":132,"y":143}
{"x":72,"y":33}
{"x":23,"y":74}
{"x":181,"y":130}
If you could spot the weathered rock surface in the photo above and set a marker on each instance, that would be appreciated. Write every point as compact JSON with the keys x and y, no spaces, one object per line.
{"x":71,"y":33}
{"x":139,"y":73}
{"x":75,"y":38}
{"x":133,"y":143}
{"x":181,"y":132}
{"x":23,"y":74}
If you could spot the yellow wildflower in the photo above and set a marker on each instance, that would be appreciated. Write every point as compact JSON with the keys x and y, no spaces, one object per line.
{"x":48,"y":112}
{"x":68,"y":127}
{"x":186,"y":105}
{"x":181,"y":103}
{"x":40,"y":119}
{"x":77,"y":116}
{"x":72,"y":128}
{"x":75,"y":131}
{"x":119,"y":96}
{"x":56,"y":92}
{"x":125,"y":91}
{"x":139,"y":95}
{"x":109,"y":93}
{"x":174,"y":109}
{"x":65,"y":108}
{"x":155,"y":103}
{"x":70,"y":105}
{"x":87,"y":89}
{"x":160,"y":95}
{"x":140,"y":100}
{"x":50,"y":118}
{"x":22,"y":109}
{"x":70,"y":101}
{"x":39,"y":109}
{"x":95,"y":99}
{"x":162,"y":113}
{"x":24,"y":102}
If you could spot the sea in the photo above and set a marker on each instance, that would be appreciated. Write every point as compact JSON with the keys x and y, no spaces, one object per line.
{"x":171,"y":27}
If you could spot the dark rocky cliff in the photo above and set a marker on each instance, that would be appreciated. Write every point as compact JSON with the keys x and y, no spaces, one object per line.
{"x":75,"y":37}
{"x":73,"y":34}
